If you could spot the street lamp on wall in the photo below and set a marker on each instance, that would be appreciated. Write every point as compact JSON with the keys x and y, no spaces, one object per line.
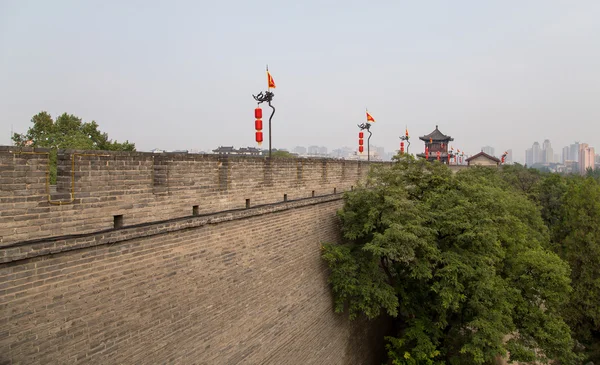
{"x":267,"y":96}
{"x":362,"y":127}
{"x":405,"y":138}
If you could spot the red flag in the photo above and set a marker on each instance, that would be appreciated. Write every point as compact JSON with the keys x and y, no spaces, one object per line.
{"x":370,"y":118}
{"x":270,"y":80}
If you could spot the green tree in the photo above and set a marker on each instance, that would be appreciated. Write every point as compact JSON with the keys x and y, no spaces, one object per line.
{"x":66,"y":132}
{"x":279,"y":154}
{"x":460,"y":262}
{"x":595,"y":173}
{"x":577,"y":240}
{"x":523,"y":179}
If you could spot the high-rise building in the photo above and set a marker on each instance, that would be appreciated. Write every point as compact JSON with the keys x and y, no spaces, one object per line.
{"x":489,"y":150}
{"x":574,"y":152}
{"x":537,"y":153}
{"x":586,"y":158}
{"x":529,"y":157}
{"x":547,"y":152}
{"x":300,"y":150}
{"x":313,"y":150}
{"x":566,"y":154}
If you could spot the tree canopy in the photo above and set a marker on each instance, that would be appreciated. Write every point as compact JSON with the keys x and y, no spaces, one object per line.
{"x":466,"y":265}
{"x":66,"y":132}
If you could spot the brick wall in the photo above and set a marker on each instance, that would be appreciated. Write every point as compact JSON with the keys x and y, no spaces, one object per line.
{"x":241,"y":287}
{"x":146,"y":187}
{"x":221,"y":283}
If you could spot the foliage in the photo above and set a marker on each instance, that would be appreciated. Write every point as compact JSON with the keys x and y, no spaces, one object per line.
{"x":575,"y":222}
{"x":66,"y":132}
{"x":461,"y":263}
{"x":279,"y":154}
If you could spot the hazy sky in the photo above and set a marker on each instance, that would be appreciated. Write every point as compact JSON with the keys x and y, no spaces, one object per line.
{"x":180,"y":74}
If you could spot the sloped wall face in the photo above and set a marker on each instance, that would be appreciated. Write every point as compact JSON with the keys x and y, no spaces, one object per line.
{"x":215,"y":260}
{"x":95,"y":186}
{"x":248,"y":289}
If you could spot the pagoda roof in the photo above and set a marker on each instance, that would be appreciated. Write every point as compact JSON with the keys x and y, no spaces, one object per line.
{"x":436,"y":135}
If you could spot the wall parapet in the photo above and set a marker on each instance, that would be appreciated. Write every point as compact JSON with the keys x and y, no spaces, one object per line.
{"x":54,"y":245}
{"x":97,"y":188}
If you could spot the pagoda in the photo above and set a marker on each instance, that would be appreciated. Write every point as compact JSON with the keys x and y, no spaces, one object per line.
{"x":436,"y":145}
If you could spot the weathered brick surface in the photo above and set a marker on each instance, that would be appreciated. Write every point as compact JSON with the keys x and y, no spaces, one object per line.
{"x":146,"y":187}
{"x":245,"y":287}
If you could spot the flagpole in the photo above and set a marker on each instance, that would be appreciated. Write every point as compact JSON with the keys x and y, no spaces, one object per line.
{"x":270,"y":128}
{"x":268,"y":97}
{"x":368,"y":139}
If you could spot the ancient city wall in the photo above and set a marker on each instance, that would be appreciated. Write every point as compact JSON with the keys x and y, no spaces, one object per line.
{"x":226,"y":284}
{"x":94,"y":186}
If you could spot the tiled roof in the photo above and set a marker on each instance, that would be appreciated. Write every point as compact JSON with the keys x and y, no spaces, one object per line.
{"x":484,"y":155}
{"x":225,"y":149}
{"x":436,"y":135}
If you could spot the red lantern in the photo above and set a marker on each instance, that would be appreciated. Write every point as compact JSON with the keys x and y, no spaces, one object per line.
{"x":361,"y":135}
{"x":427,"y":153}
{"x":361,"y":148}
{"x":401,"y":147}
{"x":258,"y":125}
{"x":360,"y":142}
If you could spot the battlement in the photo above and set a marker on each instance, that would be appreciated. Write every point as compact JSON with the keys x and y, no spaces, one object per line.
{"x":102,"y":190}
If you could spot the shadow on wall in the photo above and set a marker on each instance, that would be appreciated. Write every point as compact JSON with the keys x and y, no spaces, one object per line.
{"x":368,"y":336}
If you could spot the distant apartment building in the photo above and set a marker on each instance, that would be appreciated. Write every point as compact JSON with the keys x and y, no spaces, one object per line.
{"x":313,"y":150}
{"x":574,"y":152}
{"x":566,"y":154}
{"x":547,"y":152}
{"x":300,"y":150}
{"x":587,"y":157}
{"x":537,"y":153}
{"x":534,"y":155}
{"x":489,"y":150}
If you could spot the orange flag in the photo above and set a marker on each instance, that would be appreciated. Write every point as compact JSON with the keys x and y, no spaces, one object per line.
{"x":370,"y":118}
{"x":407,"y":131}
{"x":270,"y":80}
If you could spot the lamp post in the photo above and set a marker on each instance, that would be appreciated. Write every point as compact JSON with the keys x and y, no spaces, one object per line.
{"x":406,"y":138}
{"x":367,"y":126}
{"x":267,"y":96}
